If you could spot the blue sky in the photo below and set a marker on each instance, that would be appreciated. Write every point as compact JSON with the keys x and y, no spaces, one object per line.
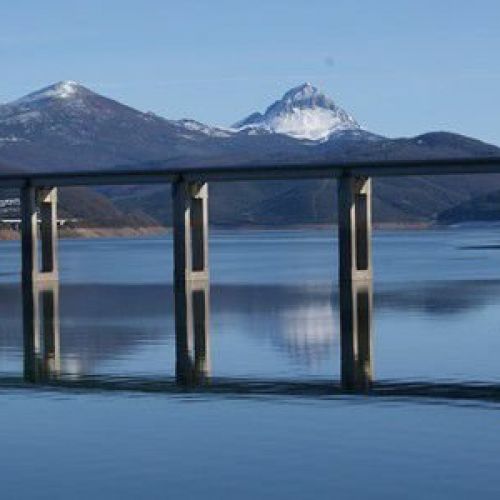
{"x":401,"y":67}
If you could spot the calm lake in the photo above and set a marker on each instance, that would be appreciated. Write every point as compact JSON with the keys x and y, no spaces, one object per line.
{"x":274,"y":323}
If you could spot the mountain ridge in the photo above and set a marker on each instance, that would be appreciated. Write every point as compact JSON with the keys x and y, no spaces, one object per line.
{"x":66,"y":126}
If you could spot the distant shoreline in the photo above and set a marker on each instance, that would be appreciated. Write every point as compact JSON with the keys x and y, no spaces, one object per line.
{"x":384,"y":225}
{"x":95,"y":232}
{"x":132,"y":232}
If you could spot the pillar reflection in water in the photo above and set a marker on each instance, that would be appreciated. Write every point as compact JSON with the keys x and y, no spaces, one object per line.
{"x":192,"y":337}
{"x":42,"y":355}
{"x":356,"y":335}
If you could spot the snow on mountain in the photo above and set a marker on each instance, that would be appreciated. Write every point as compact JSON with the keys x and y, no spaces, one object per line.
{"x":61,"y":103}
{"x":61,"y":90}
{"x":303,"y":113}
{"x":196,"y":126}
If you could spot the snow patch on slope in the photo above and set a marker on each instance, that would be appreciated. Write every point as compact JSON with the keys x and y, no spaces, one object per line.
{"x":312,"y":124}
{"x":195,"y":126}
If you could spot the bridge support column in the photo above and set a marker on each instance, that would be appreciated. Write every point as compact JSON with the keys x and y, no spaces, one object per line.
{"x":355,"y":281}
{"x":42,"y":202}
{"x":47,"y":199}
{"x":191,"y":280}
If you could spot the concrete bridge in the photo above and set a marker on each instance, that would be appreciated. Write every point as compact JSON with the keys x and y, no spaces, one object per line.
{"x":191,"y":265}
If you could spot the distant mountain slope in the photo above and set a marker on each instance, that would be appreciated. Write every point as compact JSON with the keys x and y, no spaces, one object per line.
{"x":85,"y":208}
{"x":6,"y":168}
{"x":95,"y":210}
{"x":66,"y":126}
{"x":484,"y":208}
{"x":395,"y":200}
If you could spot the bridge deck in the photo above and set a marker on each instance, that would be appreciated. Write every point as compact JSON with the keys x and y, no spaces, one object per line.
{"x":388,"y":168}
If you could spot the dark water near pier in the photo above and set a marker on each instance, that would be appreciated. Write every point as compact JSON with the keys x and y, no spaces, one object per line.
{"x":274,"y":322}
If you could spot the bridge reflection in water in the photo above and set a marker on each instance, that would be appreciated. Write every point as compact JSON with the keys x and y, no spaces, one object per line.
{"x":42,"y":362}
{"x":42,"y":353}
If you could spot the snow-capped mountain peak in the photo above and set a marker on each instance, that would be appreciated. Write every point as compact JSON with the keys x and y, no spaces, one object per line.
{"x":302,"y":94}
{"x":60,"y":90}
{"x":60,"y":105}
{"x":303,"y":112}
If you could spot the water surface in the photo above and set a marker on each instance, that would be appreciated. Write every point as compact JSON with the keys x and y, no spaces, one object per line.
{"x":273,"y":317}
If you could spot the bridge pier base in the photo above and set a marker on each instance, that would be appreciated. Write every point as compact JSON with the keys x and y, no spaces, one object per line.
{"x":355,"y":281}
{"x":191,"y":280}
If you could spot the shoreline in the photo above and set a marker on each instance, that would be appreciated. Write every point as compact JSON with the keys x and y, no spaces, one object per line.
{"x":131,"y":232}
{"x":7,"y":234}
{"x":95,"y":232}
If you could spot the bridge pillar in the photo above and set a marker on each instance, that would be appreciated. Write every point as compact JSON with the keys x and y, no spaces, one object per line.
{"x":47,"y":199}
{"x":42,"y":202}
{"x":355,"y":281}
{"x":191,"y":280}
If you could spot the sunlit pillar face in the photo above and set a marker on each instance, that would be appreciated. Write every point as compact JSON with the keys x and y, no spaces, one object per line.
{"x":47,"y":199}
{"x":362,"y":223}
